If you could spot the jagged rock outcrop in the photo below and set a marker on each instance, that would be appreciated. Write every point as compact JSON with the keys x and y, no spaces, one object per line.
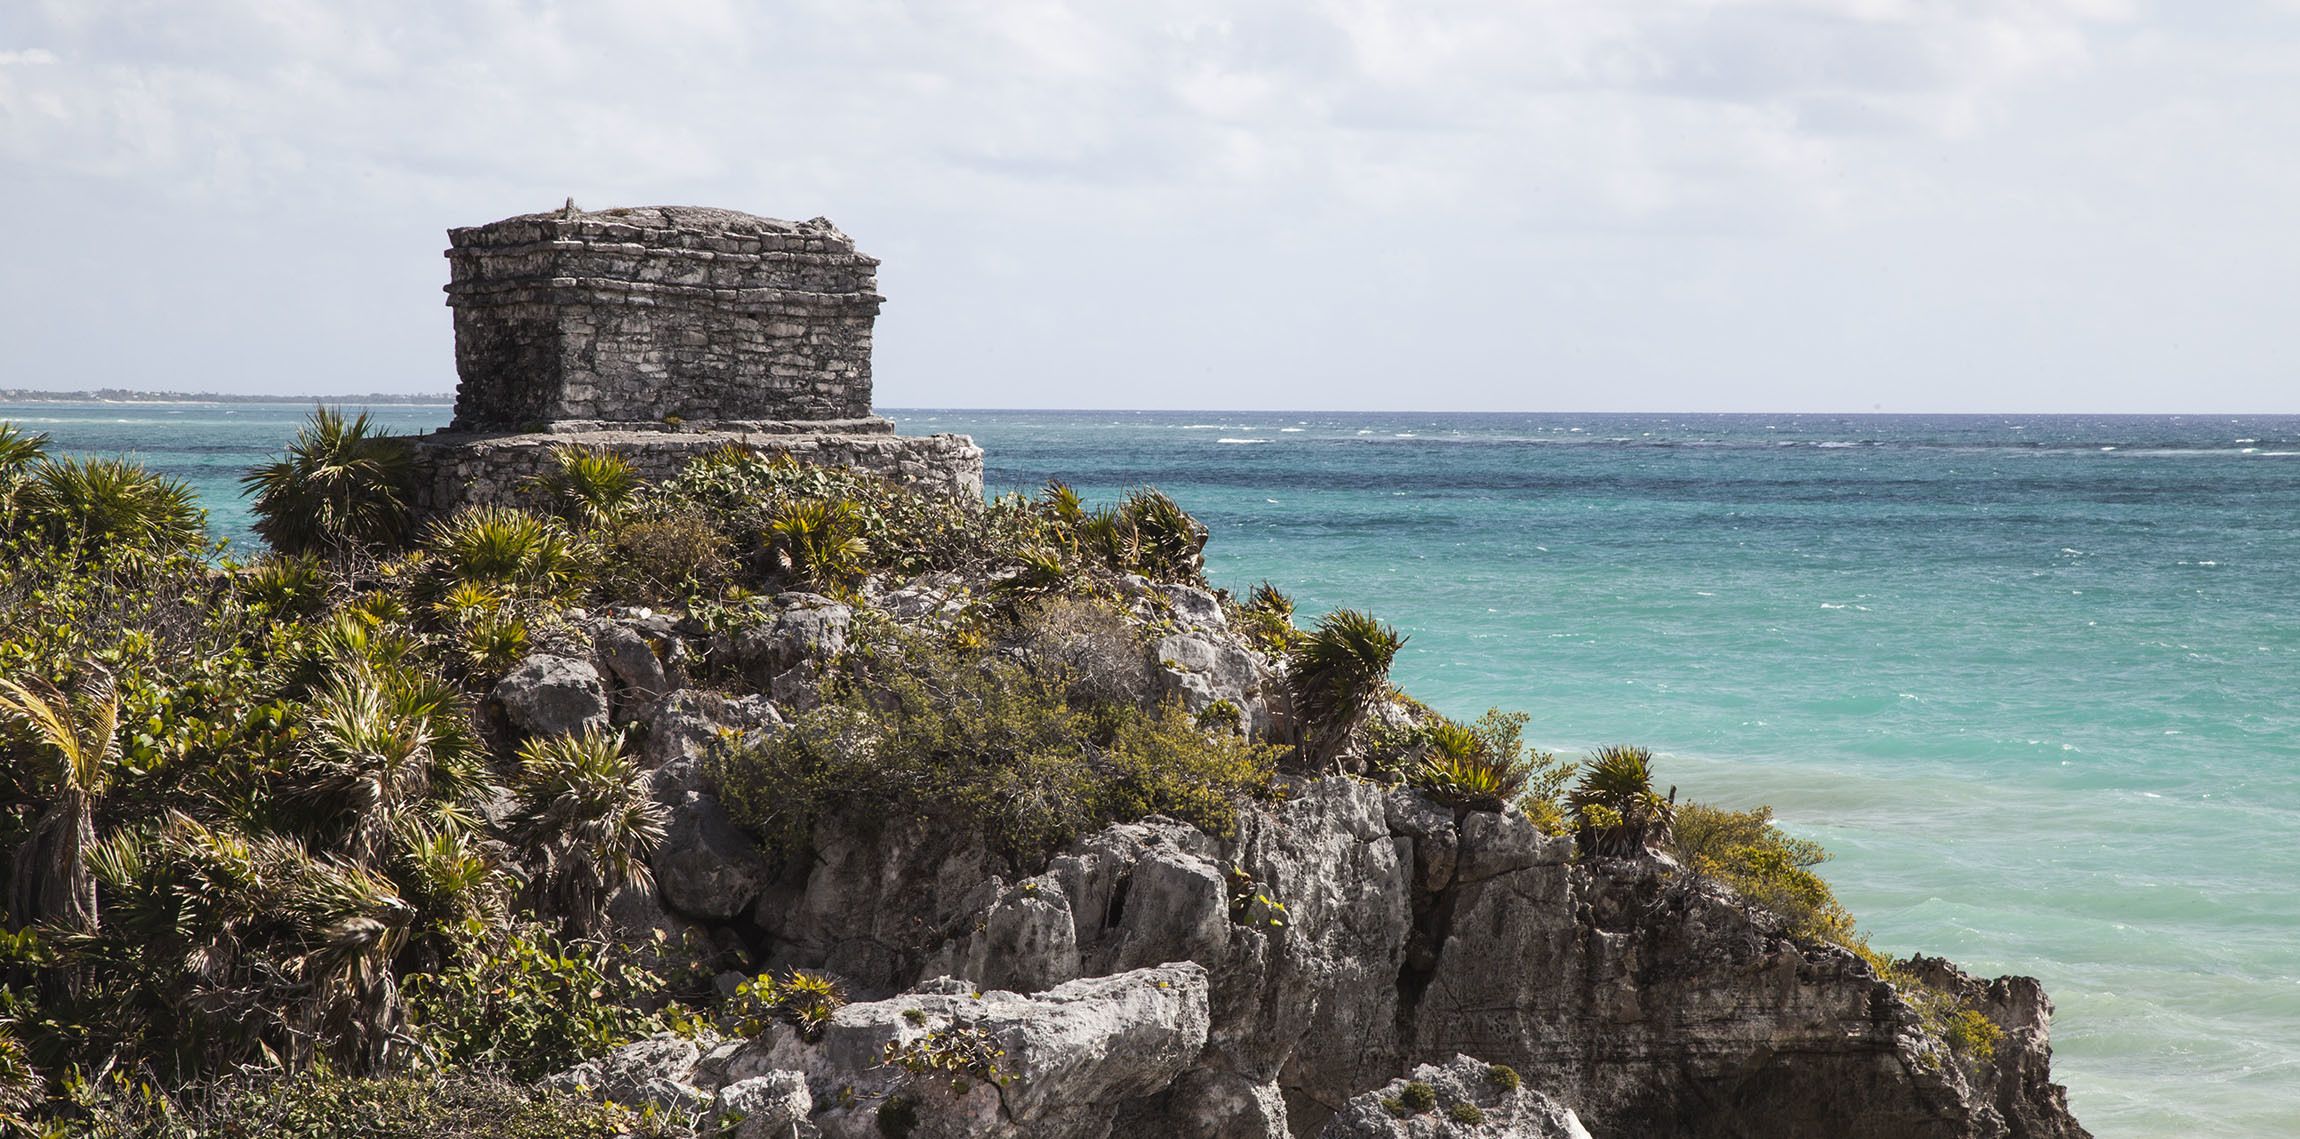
{"x":1456,"y":1100}
{"x":1346,"y":932}
{"x":1353,"y":930}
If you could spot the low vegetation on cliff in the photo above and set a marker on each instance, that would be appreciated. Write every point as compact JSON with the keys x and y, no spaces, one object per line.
{"x":263,"y":820}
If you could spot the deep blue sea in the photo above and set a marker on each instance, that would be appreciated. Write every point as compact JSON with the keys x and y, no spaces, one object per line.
{"x":2035,"y":679}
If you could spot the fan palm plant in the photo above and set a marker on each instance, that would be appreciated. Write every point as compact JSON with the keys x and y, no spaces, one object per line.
{"x":585,"y":818}
{"x":1616,"y":811}
{"x":1170,"y":544}
{"x":20,"y":1084}
{"x":110,"y":504}
{"x":52,"y":880}
{"x":19,"y":450}
{"x":1462,"y":767}
{"x":390,"y":754}
{"x":1337,"y":672}
{"x":520,"y":554}
{"x":587,"y":485}
{"x":343,"y":483}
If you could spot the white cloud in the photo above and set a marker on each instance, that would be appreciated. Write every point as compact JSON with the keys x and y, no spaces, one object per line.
{"x":1305,"y":159}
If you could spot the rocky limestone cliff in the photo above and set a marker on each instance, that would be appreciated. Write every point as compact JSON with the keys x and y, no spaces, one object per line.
{"x":1346,"y":933}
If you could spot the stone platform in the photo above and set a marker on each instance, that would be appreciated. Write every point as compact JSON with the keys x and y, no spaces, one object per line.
{"x":463,"y":468}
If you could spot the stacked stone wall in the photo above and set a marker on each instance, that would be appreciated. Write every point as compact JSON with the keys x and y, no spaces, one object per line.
{"x":666,"y":313}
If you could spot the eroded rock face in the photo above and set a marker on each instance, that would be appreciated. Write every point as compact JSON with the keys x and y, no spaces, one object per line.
{"x":1354,"y":930}
{"x":1342,"y":935}
{"x":1462,"y":1098}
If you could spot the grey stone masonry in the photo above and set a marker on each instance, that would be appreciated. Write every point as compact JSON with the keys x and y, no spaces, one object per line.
{"x":662,"y":333}
{"x":658,"y":313}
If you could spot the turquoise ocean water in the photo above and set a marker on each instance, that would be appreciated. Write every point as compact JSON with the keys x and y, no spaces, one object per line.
{"x":2036,"y":680}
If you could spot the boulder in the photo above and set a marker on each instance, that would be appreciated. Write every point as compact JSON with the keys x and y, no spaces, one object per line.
{"x":773,"y":1106}
{"x":553,"y":695}
{"x":657,"y":1071}
{"x":1203,"y":669}
{"x":1463,"y":1098}
{"x":706,"y":867}
{"x":1062,"y":1064}
{"x":787,"y":655}
{"x":629,"y":660}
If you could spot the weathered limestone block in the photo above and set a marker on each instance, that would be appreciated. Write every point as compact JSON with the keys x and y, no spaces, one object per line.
{"x":553,"y":695}
{"x":1464,"y":1098}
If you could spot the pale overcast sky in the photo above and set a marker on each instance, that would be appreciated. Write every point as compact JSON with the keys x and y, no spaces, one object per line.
{"x":1918,"y":205}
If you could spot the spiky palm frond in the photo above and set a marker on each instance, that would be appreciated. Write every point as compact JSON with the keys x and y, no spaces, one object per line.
{"x":21,"y":1086}
{"x":1337,"y":672}
{"x":1616,"y":810}
{"x":587,"y":485}
{"x":52,"y":880}
{"x":110,"y":504}
{"x":386,"y":749}
{"x":516,"y":552}
{"x":19,"y":451}
{"x":342,"y":483}
{"x":284,"y":585}
{"x":818,"y":542}
{"x":586,"y":819}
{"x":1170,"y":544}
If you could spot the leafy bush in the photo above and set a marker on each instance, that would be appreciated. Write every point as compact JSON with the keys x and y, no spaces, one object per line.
{"x":1763,"y":864}
{"x":529,"y":1003}
{"x":1418,"y":1096}
{"x":441,"y":1106}
{"x":588,"y":486}
{"x":1503,"y":1076}
{"x":1267,"y":620}
{"x":1337,"y":672}
{"x":1465,"y":1113}
{"x":961,"y":1051}
{"x":664,"y":555}
{"x":342,"y":484}
{"x":1487,"y":765}
{"x":798,"y":998}
{"x":988,"y":747}
{"x":519,"y":555}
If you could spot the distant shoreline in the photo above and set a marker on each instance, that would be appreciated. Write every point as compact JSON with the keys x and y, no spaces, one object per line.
{"x":126,"y":396}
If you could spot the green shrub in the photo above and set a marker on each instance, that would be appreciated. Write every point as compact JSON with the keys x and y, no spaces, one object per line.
{"x":1763,"y":864}
{"x":460,"y":1105}
{"x":987,"y":746}
{"x":284,"y":586}
{"x":664,"y":556}
{"x":519,"y":555}
{"x":1267,"y":620}
{"x":588,"y":486}
{"x":586,"y":821}
{"x":1971,"y":1034}
{"x":1338,"y":671}
{"x":1467,"y":1114}
{"x":342,"y":484}
{"x":530,"y":1003}
{"x":961,"y":1052}
{"x":817,"y":544}
{"x":1418,"y":1097}
{"x":799,"y":998}
{"x":1503,"y":1076}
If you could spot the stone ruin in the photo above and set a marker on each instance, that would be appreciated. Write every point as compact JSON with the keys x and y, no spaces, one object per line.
{"x":663,"y":333}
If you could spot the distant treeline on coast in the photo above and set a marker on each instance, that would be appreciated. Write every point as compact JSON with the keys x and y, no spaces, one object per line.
{"x":126,"y":395}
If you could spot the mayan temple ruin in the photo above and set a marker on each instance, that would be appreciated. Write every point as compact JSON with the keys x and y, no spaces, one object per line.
{"x":662,"y":333}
